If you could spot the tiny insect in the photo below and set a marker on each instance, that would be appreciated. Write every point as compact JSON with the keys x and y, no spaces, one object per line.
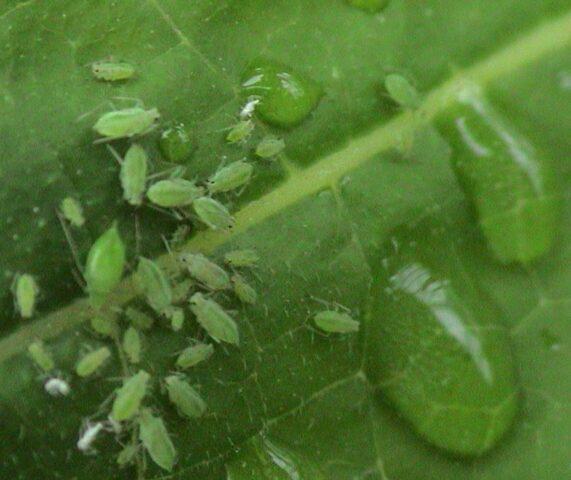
{"x":41,"y":357}
{"x":156,"y":440}
{"x":92,"y":362}
{"x":111,"y":71}
{"x":57,"y":387}
{"x":132,"y":345}
{"x":105,"y":264}
{"x":249,"y":108}
{"x":214,"y":319}
{"x":336,"y":322}
{"x":127,"y":455}
{"x":176,"y":317}
{"x":213,"y":213}
{"x":129,"y":397}
{"x":402,"y":91}
{"x":25,"y":291}
{"x":138,"y":319}
{"x":181,"y":290}
{"x":270,"y":146}
{"x":72,"y":211}
{"x":173,"y":193}
{"x":88,"y":436}
{"x":126,"y":123}
{"x":205,"y":271}
{"x":154,"y":285}
{"x":186,"y":399}
{"x":244,"y":292}
{"x":104,"y":325}
{"x":194,"y":355}
{"x":133,"y":174}
{"x":239,"y":132}
{"x":241,"y":258}
{"x":230,"y":177}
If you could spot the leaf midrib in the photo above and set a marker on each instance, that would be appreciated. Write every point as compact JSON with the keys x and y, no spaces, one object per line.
{"x":326,"y":172}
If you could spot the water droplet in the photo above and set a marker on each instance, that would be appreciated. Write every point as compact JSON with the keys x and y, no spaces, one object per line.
{"x":438,"y":351}
{"x":372,"y":6}
{"x":286,"y":97}
{"x":176,"y":143}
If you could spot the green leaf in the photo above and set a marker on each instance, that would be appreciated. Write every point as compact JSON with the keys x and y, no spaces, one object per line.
{"x":353,"y":170}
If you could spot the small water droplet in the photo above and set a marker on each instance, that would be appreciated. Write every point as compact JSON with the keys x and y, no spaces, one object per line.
{"x":550,"y":340}
{"x":286,"y":97}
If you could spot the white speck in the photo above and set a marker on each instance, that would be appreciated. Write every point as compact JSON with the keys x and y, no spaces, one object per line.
{"x":57,"y":387}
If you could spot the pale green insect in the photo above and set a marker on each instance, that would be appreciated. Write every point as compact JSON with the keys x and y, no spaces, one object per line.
{"x":111,"y":71}
{"x":186,"y":399}
{"x":243,"y":290}
{"x":402,"y":91}
{"x":104,"y":325}
{"x":176,"y":317}
{"x":194,"y":355}
{"x":25,"y":290}
{"x":270,"y":146}
{"x":205,"y":271}
{"x":41,"y":357}
{"x":241,"y":258}
{"x":126,"y":123}
{"x":230,"y":177}
{"x":129,"y":397}
{"x":138,"y":319}
{"x":239,"y":132}
{"x":132,"y":345}
{"x":331,"y":321}
{"x":156,"y":440}
{"x":154,"y":285}
{"x":133,"y":174}
{"x":127,"y":455}
{"x":213,"y":213}
{"x":92,"y":361}
{"x":173,"y":193}
{"x":214,"y":319}
{"x":181,"y":290}
{"x":105,"y":264}
{"x":72,"y":211}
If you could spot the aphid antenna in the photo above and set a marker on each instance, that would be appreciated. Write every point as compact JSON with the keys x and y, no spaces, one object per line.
{"x":94,"y":110}
{"x":138,"y":236}
{"x":167,"y":212}
{"x":115,"y":154}
{"x":137,"y":101}
{"x":72,"y":248}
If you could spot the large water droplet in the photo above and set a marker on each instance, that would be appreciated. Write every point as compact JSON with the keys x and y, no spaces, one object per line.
{"x":176,"y":143}
{"x":372,"y":6}
{"x":286,"y":97}
{"x":264,"y":459}
{"x":437,"y":348}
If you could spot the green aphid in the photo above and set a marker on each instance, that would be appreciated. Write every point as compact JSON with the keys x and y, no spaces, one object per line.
{"x":331,"y":321}
{"x":127,"y":455}
{"x":194,"y":355}
{"x":132,"y":345}
{"x":213,"y":213}
{"x":41,"y":357}
{"x":112,"y":71}
{"x":104,"y":325}
{"x":241,"y":258}
{"x":181,"y":290}
{"x":179,"y":236}
{"x":241,"y":131}
{"x":243,"y":290}
{"x":25,"y":290}
{"x":154,"y":285}
{"x":186,"y":399}
{"x":176,"y":317}
{"x":214,"y":319}
{"x":402,"y":91}
{"x":205,"y":271}
{"x":92,"y":361}
{"x":230,"y":177}
{"x":105,"y":264}
{"x":129,"y":397}
{"x":176,"y":144}
{"x":133,"y":174}
{"x":174,"y":193}
{"x":270,"y":146}
{"x":126,"y":123}
{"x":156,"y":440}
{"x":138,"y":319}
{"x":72,"y":211}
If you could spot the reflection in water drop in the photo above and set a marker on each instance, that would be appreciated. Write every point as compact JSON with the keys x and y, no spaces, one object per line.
{"x":285,"y":97}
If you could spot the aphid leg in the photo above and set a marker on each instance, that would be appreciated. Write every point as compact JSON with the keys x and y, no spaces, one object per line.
{"x":115,"y":154}
{"x":73,"y":250}
{"x":137,"y":102}
{"x":138,"y":236}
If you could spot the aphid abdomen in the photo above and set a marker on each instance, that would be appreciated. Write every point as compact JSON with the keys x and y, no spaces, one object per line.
{"x":510,"y":184}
